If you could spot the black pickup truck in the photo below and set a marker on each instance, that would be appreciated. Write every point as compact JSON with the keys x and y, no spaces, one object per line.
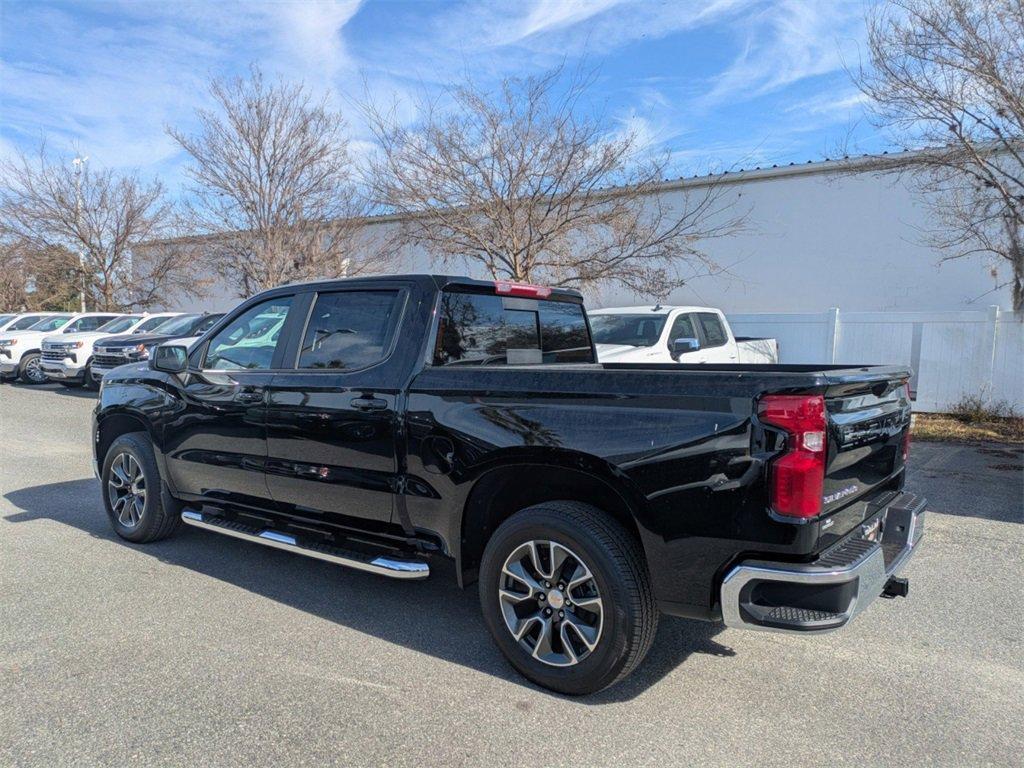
{"x":379,"y":423}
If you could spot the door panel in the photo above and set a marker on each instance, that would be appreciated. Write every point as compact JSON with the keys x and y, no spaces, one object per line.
{"x":715,"y":341}
{"x":332,"y":422}
{"x":331,"y":447}
{"x":216,"y":448}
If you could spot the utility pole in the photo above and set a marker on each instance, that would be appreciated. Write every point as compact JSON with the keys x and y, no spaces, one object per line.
{"x":79,"y":162}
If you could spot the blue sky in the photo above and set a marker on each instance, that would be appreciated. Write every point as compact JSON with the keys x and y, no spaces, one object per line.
{"x":719,"y":83}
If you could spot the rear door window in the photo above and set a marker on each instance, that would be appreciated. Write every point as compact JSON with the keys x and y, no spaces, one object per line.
{"x":714,"y":333}
{"x":479,"y":329}
{"x":349,"y":330}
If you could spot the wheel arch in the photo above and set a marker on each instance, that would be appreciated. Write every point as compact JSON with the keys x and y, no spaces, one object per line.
{"x":112,"y":424}
{"x":502,"y":490}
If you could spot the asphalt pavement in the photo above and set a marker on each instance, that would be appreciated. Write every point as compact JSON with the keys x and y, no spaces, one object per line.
{"x":207,"y":651}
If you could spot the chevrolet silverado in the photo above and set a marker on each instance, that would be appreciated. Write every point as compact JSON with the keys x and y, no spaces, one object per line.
{"x":381,"y":423}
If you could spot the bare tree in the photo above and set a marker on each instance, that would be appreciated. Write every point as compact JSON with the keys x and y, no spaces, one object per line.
{"x":31,"y":279}
{"x":949,"y":74}
{"x":13,"y":278}
{"x":51,"y":209}
{"x":526,"y":184}
{"x":273,"y":189}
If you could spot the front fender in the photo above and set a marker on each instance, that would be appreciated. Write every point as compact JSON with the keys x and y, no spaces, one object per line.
{"x":133,"y":403}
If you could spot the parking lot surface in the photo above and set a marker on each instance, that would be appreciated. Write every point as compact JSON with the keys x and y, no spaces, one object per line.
{"x":204,"y":650}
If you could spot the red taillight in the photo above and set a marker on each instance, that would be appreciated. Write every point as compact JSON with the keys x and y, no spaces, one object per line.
{"x":797,"y":477}
{"x":906,"y":445}
{"x":506,"y":288}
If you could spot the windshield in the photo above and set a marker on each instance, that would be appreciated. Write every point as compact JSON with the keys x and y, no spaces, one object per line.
{"x":175,"y":325}
{"x":207,"y":322}
{"x":119,"y":324}
{"x":631,"y":330}
{"x":50,"y":323}
{"x":151,"y":324}
{"x":5,"y":318}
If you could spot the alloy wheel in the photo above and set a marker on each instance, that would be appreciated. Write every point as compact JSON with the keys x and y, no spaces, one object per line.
{"x":34,"y":371}
{"x":126,"y":489}
{"x":551,"y":603}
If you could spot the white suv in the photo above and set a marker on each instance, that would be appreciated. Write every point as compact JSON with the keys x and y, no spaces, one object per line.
{"x":67,"y":358}
{"x":20,"y":350}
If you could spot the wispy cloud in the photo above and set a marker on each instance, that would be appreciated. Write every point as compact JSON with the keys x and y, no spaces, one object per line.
{"x":703,"y":79}
{"x":111,"y":85}
{"x":787,"y":41}
{"x":312,"y":33}
{"x":547,"y":15}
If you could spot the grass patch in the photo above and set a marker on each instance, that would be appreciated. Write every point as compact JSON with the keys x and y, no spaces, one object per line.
{"x":953,"y":428}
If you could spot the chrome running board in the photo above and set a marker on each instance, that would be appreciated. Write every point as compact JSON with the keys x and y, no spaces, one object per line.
{"x":382,"y":565}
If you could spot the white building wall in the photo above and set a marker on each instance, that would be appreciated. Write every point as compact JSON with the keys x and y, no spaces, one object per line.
{"x":813,"y":239}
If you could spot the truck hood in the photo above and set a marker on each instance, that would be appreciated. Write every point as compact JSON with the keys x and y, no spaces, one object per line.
{"x":28,"y":337}
{"x":132,"y":340}
{"x":87,"y":337}
{"x":80,"y":336}
{"x":624,"y":353}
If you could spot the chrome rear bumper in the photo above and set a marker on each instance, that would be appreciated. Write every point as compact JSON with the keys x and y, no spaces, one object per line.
{"x":826,"y":594}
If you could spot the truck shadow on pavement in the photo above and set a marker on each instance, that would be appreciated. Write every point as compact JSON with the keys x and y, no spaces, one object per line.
{"x":82,"y":392}
{"x":393,"y":611}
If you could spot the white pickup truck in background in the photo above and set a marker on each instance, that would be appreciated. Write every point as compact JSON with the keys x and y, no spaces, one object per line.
{"x":67,"y":358}
{"x":662,"y":334}
{"x":20,"y":349}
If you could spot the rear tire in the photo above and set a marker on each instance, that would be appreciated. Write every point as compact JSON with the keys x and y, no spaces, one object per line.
{"x":620,"y":617}
{"x":29,"y":372}
{"x":133,"y":493}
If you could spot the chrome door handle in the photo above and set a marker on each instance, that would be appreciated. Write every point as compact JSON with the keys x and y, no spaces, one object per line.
{"x":249,"y":397}
{"x":369,"y":403}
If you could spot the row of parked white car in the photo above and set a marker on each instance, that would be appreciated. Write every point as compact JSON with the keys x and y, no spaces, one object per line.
{"x":77,"y":348}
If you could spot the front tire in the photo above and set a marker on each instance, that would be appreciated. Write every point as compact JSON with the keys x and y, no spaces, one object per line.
{"x":133,"y":493}
{"x":30,"y":371}
{"x":566,"y":596}
{"x":88,"y":381}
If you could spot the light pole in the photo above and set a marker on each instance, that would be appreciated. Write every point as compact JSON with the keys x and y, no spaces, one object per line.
{"x":78,"y":163}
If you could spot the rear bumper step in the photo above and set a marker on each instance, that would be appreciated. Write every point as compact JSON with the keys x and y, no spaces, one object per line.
{"x":382,"y":565}
{"x":826,"y":594}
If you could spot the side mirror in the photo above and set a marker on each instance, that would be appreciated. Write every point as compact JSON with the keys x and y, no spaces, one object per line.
{"x":172,"y":358}
{"x":682,"y":346}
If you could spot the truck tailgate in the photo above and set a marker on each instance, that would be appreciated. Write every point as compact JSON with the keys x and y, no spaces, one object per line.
{"x":868,"y":431}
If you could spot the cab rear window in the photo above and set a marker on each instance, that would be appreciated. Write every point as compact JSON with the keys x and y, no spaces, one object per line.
{"x":481,"y":329}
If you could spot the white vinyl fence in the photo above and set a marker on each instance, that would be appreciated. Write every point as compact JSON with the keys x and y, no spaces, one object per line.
{"x":953,"y":354}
